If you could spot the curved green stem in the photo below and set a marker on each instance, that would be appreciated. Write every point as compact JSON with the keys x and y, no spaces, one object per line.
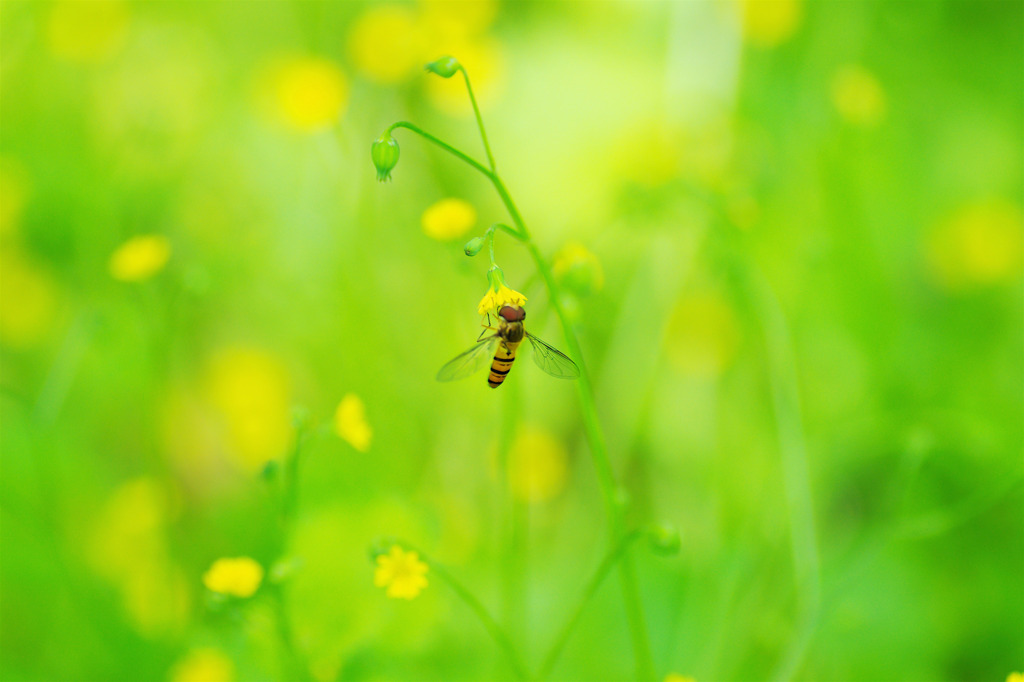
{"x":595,"y":582}
{"x":479,"y":119}
{"x":442,"y":144}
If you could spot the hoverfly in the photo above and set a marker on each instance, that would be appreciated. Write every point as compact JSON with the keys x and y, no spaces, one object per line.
{"x":506,"y":339}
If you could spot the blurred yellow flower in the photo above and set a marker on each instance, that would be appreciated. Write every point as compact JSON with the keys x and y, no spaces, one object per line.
{"x":401,"y":572}
{"x":237,"y":577}
{"x":494,"y":300}
{"x":454,"y":19}
{"x":204,"y":665}
{"x":858,"y":96}
{"x":350,"y":423}
{"x":140,"y":258}
{"x":87,"y":31}
{"x":483,"y":59}
{"x":768,"y":23}
{"x":250,"y":389}
{"x":28,"y":316}
{"x":448,"y":219}
{"x":538,"y":466}
{"x":979,"y":245}
{"x":676,"y":677}
{"x":578,"y":269}
{"x":310,"y":93}
{"x":385,"y":43}
{"x":702,"y":335}
{"x":1015,"y":677}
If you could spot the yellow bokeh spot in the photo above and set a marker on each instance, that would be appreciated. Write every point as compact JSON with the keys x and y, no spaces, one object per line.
{"x":384,"y":43}
{"x":578,"y":269}
{"x":401,"y":572}
{"x":485,"y":63}
{"x":204,"y":665}
{"x":768,"y":23}
{"x":128,"y":547}
{"x":309,"y":93}
{"x":350,"y":423}
{"x":448,"y":219}
{"x":29,"y":306}
{"x":979,"y":245}
{"x":703,"y":335}
{"x":538,"y":466}
{"x":455,"y":19}
{"x":858,"y":96}
{"x":87,"y":31}
{"x":1015,"y":677}
{"x":250,"y":389}
{"x":140,"y":258}
{"x":236,"y":577}
{"x":676,"y":677}
{"x":13,"y":195}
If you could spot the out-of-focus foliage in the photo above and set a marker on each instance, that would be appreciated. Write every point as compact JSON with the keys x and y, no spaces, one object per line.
{"x":789,"y":235}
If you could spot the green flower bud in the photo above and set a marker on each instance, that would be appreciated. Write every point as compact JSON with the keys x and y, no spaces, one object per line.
{"x":384,"y":153}
{"x":664,"y":539}
{"x":474,"y":246}
{"x":445,"y":67}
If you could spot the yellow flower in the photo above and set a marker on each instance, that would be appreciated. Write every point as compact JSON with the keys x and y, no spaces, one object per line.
{"x":28,"y":316}
{"x":676,"y":677}
{"x":448,"y":219}
{"x":385,"y":43}
{"x":251,"y":393}
{"x":204,"y":665}
{"x":493,"y":300}
{"x":86,"y":31}
{"x":1015,"y":677}
{"x":350,"y":423}
{"x":239,"y":577}
{"x":578,"y":269}
{"x":538,"y":466}
{"x":401,"y":572}
{"x":980,"y":244}
{"x":309,"y":93}
{"x":768,"y":23}
{"x":140,"y":258}
{"x":858,"y":96}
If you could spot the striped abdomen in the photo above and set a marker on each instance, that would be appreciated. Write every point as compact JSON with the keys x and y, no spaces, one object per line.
{"x":502,"y":363}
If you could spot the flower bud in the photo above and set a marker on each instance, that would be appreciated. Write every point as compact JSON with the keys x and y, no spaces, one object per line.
{"x":384,"y":153}
{"x":445,"y":67}
{"x":496,"y":277}
{"x":474,"y":246}
{"x":664,"y":539}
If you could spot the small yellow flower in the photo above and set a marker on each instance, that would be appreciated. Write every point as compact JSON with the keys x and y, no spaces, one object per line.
{"x":448,"y":219}
{"x":238,"y":577}
{"x":1015,"y":677}
{"x":350,"y":423}
{"x":204,"y":665}
{"x":310,"y":93}
{"x":979,"y":245}
{"x":493,"y":300}
{"x":538,"y":466}
{"x":769,"y":23}
{"x":401,"y":572}
{"x":31,"y":313}
{"x":858,"y":96}
{"x":676,"y":677}
{"x":140,"y":258}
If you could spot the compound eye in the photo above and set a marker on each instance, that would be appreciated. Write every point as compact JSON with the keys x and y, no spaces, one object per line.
{"x":508,"y":313}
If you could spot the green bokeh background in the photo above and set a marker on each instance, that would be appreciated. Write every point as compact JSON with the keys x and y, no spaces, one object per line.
{"x":805,"y":338}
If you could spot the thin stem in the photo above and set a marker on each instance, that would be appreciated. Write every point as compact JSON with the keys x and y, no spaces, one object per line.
{"x":493,"y":628}
{"x":595,"y":582}
{"x":479,"y":120}
{"x":442,"y":144}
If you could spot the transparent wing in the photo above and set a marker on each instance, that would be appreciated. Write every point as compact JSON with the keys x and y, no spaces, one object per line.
{"x":470,"y":362}
{"x":554,"y":362}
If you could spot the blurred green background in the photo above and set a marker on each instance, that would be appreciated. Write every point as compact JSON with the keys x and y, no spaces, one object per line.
{"x":789,"y":236}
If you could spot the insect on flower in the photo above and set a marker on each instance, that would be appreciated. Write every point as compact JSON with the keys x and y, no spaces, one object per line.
{"x":500,"y":348}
